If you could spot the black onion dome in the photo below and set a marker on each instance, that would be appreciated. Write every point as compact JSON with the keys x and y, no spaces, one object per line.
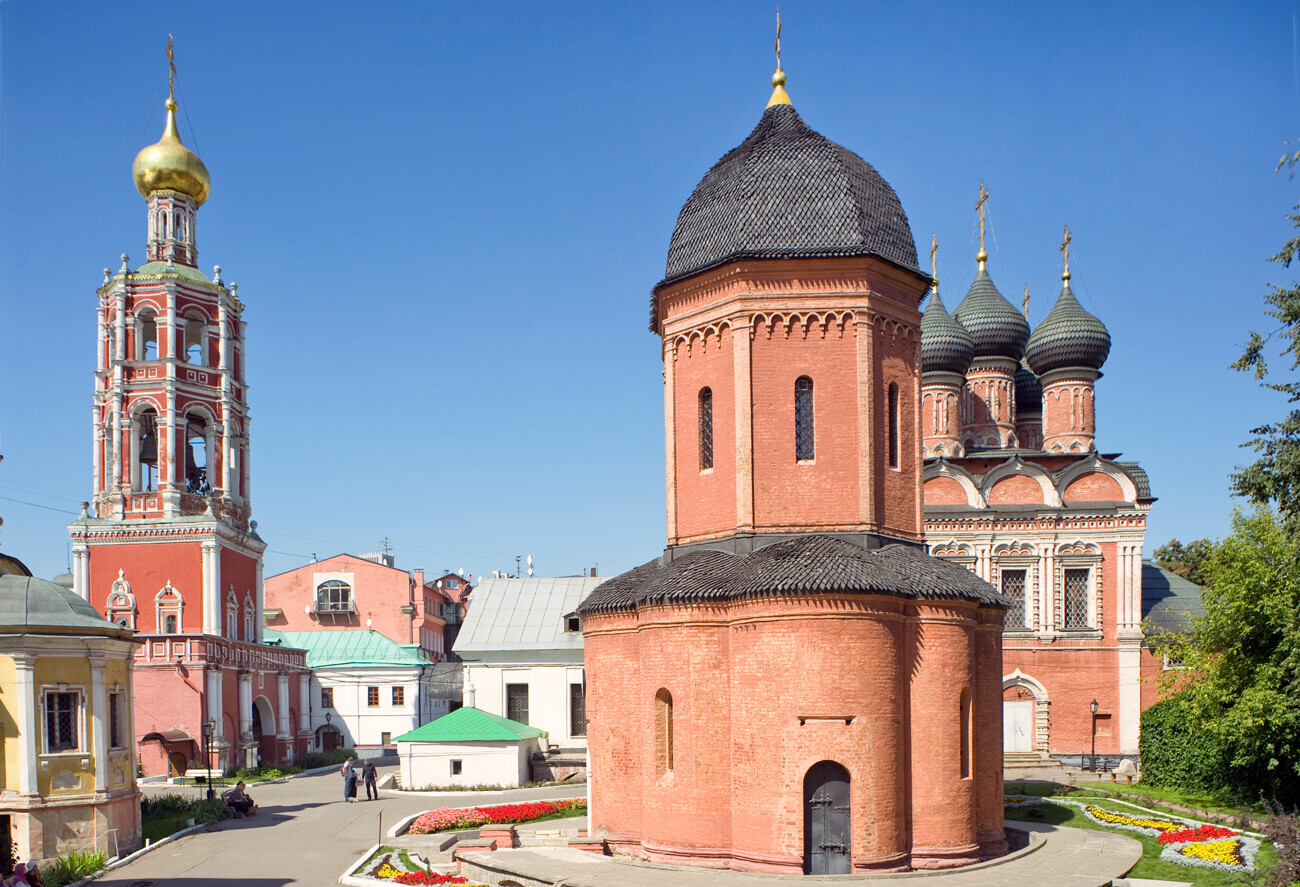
{"x":789,"y":192}
{"x":999,"y":330}
{"x":808,"y":564}
{"x":946,"y":347}
{"x":1068,"y":337}
{"x":1029,"y":393}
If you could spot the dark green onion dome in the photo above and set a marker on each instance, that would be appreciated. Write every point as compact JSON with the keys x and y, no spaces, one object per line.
{"x":1068,"y":337}
{"x":946,"y":347}
{"x":999,"y":330}
{"x":1029,"y":393}
{"x":787,"y":192}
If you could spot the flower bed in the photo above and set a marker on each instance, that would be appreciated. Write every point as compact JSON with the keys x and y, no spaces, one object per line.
{"x":1234,"y":854}
{"x":1147,"y":825}
{"x":458,"y":818}
{"x":397,"y":866}
{"x":1200,"y":833}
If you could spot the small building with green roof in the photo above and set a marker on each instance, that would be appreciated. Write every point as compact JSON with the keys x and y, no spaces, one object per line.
{"x":365,"y":687}
{"x":468,"y":747}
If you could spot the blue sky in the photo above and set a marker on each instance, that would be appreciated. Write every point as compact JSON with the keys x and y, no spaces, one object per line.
{"x":445,"y":221}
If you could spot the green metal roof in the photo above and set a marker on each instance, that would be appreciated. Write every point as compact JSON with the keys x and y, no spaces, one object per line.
{"x":349,"y":647}
{"x":471,"y":725}
{"x":160,"y":269}
{"x":25,"y":601}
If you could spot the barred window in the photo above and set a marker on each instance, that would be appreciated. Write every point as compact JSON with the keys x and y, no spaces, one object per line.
{"x":399,"y":696}
{"x":115,"y":720}
{"x":893,"y":425}
{"x":803,"y":419}
{"x":578,"y":709}
{"x":61,"y":715}
{"x":372,"y":696}
{"x":517,"y":702}
{"x":706,"y":428}
{"x":1075,"y":599}
{"x":1013,"y":586}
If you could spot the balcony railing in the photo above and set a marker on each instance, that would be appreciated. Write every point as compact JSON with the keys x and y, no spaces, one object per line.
{"x":348,"y":606}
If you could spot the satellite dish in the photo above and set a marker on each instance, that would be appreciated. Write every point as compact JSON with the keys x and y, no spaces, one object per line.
{"x":530,"y":560}
{"x":460,"y":572}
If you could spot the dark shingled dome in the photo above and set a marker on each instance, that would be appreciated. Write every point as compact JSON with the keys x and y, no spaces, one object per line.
{"x":1068,"y":337}
{"x":808,"y":564}
{"x":946,"y":347}
{"x":1029,"y":394}
{"x":999,"y":330}
{"x":788,"y":192}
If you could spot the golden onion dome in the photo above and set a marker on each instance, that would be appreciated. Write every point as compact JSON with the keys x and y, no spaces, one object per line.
{"x":168,"y":165}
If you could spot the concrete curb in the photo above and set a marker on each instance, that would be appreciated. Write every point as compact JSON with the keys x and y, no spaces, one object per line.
{"x":490,"y":794}
{"x":174,"y":836}
{"x":347,"y":878}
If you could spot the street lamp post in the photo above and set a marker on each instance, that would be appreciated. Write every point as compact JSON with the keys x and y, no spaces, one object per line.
{"x":209,"y":727}
{"x":1092,"y":707}
{"x":325,"y":736}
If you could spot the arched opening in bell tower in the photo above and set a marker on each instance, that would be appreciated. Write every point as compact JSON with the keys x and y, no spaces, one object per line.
{"x":144,"y":451}
{"x":195,"y":340}
{"x":146,"y":334}
{"x":197,"y":456}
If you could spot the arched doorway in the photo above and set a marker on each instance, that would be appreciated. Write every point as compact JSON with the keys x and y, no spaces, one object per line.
{"x":263,"y":730}
{"x":827,"y":843}
{"x":177,"y":764}
{"x":329,"y":738}
{"x":1024,"y":715}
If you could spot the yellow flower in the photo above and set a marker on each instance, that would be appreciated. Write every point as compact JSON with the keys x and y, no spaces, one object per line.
{"x":387,"y":871}
{"x":1224,"y":851}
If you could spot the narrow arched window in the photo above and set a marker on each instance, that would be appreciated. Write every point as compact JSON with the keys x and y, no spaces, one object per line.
{"x":706,"y":428}
{"x":664,"y":732}
{"x":893,"y":425}
{"x":966,"y":731}
{"x":803,"y":419}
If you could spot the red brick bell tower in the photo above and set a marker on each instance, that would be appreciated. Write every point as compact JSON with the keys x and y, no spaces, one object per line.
{"x":166,"y":546}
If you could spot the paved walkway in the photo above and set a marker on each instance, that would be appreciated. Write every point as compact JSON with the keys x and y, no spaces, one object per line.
{"x":303,"y":833}
{"x":1066,"y":857}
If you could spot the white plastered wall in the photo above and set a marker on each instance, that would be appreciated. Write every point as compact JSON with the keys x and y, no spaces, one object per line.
{"x":548,"y":695}
{"x":482,"y":763}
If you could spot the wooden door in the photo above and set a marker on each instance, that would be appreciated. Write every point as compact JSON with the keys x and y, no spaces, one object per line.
{"x":826,"y":836}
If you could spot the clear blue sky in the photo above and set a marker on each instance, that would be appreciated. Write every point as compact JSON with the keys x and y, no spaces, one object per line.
{"x":445,"y":220}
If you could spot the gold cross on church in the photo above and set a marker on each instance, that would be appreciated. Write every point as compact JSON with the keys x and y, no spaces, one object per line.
{"x":979,"y":208}
{"x":171,"y":75}
{"x":1065,"y":248}
{"x":778,"y":38}
{"x":934,"y":267}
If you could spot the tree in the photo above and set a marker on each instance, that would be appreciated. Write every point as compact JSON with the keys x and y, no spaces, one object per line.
{"x":1242,"y":658}
{"x":1187,"y":560}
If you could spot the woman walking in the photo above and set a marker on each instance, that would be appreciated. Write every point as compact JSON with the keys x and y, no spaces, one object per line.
{"x":349,"y":782}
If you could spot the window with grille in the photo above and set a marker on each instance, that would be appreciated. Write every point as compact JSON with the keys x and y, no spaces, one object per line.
{"x":803,"y":419}
{"x":326,"y":697}
{"x":61,"y":721}
{"x":1075,"y":599}
{"x":372,"y":696}
{"x":893,"y":426}
{"x":170,"y":625}
{"x":399,"y":696}
{"x":517,"y":702}
{"x":706,"y":428}
{"x":1013,"y":586}
{"x":333,"y":596}
{"x":115,"y":720}
{"x":578,"y":709}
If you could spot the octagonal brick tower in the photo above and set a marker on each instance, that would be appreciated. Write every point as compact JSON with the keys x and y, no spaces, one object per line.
{"x":794,"y":686}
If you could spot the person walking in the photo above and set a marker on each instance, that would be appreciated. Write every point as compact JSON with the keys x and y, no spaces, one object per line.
{"x":349,"y":782}
{"x":368,"y":776}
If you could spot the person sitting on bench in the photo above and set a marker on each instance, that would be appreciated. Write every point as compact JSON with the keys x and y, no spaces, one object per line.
{"x":239,"y":801}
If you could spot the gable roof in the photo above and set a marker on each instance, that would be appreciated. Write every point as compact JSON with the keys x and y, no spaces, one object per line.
{"x":523,"y":614}
{"x":349,"y":647}
{"x":1169,"y":602}
{"x":471,"y":725}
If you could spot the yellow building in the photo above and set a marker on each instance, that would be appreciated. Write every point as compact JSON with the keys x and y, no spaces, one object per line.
{"x":67,"y":771}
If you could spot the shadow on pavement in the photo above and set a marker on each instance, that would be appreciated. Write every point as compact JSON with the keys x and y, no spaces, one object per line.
{"x":205,"y":881}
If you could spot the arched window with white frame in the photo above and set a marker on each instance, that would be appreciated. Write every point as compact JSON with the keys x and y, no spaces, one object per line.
{"x":120,"y":607}
{"x":169,"y":609}
{"x":250,"y":614}
{"x":232,"y":615}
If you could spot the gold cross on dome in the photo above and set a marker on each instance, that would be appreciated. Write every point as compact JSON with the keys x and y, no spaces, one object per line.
{"x":979,"y":207}
{"x":1065,"y":248}
{"x":171,"y":64}
{"x":1024,"y":305}
{"x":778,"y":38}
{"x":934,"y":249}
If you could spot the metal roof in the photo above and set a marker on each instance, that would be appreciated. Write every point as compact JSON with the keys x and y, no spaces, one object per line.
{"x":25,"y":601}
{"x":471,"y":725}
{"x":523,"y":614}
{"x":327,"y":649}
{"x":1169,"y":602}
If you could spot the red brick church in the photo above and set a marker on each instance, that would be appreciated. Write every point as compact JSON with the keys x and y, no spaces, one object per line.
{"x":794,"y":685}
{"x":166,"y":547}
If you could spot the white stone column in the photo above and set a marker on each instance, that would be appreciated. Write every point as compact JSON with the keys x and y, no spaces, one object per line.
{"x":98,"y":721}
{"x":211,"y":554}
{"x":245,"y":706}
{"x":1130,"y":694}
{"x":304,"y":703}
{"x":28,"y":750}
{"x":1049,"y":593}
{"x":128,"y":718}
{"x":284,"y":727}
{"x":864,"y":331}
{"x":259,"y":603}
{"x":741,"y":327}
{"x":670,"y":437}
{"x":81,"y":569}
{"x":98,"y":435}
{"x":215,"y":702}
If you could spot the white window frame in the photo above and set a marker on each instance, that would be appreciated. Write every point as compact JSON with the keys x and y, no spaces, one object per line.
{"x":79,"y":728}
{"x":169,"y":601}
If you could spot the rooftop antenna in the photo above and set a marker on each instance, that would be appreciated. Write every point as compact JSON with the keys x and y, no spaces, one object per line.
{"x":518,"y":558}
{"x":387,"y":545}
{"x":530,"y":566}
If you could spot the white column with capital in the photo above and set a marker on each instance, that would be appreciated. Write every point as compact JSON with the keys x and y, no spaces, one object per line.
{"x":99,"y":721}
{"x":284,"y":726}
{"x":25,"y":679}
{"x":245,"y":706}
{"x":304,"y":703}
{"x":211,"y":588}
{"x":259,"y":603}
{"x":214,"y":712}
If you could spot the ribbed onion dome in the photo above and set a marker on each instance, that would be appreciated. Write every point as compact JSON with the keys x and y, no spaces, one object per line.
{"x":946,"y":347}
{"x":168,"y":165}
{"x":1029,"y":393}
{"x":788,"y":192}
{"x":999,"y":330}
{"x":1068,"y":337}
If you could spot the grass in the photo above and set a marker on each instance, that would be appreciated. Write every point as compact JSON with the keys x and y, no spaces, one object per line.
{"x":1150,"y":865}
{"x":1147,"y":796}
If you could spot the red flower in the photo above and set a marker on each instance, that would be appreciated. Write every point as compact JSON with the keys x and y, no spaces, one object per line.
{"x":1200,"y":833}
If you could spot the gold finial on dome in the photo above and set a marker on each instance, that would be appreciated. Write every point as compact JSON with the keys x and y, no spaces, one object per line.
{"x":1065,"y":253}
{"x":168,"y":165}
{"x":982,"y":256}
{"x":779,"y":96}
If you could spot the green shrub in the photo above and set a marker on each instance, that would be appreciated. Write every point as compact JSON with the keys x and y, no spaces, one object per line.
{"x":210,"y":811}
{"x":159,"y":806}
{"x":312,"y":760}
{"x":265,"y":773}
{"x":1176,"y":754}
{"x":72,"y":867}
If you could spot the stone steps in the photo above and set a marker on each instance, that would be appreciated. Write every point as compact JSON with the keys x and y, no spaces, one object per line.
{"x":1029,"y":761}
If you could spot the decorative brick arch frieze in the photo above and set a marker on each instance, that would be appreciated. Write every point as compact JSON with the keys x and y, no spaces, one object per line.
{"x":703,"y":337}
{"x":957,"y":552}
{"x":1042,"y":707}
{"x":802,"y":324}
{"x":943,"y":468}
{"x":1096,"y":464}
{"x":1017,"y":466}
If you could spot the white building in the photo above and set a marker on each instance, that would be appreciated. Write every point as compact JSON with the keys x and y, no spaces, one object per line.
{"x":468,"y":747}
{"x":365,"y":689}
{"x":522,"y":649}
